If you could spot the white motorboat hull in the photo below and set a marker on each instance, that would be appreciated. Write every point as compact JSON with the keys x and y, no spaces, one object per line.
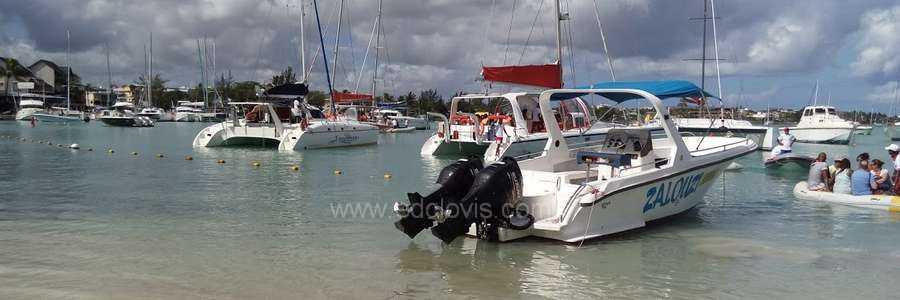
{"x":324,"y":134}
{"x":824,"y":135}
{"x":863,"y":130}
{"x":399,"y":130}
{"x":893,"y":132}
{"x":186,"y":117}
{"x":42,"y":117}
{"x":25,"y":114}
{"x":880,"y":202}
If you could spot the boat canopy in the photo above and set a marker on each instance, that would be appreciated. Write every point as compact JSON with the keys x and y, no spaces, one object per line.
{"x":661,"y":89}
{"x":347,"y":97}
{"x":547,"y":76}
{"x":289,"y":91}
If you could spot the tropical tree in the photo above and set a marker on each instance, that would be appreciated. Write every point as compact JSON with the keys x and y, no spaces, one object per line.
{"x":286,"y":76}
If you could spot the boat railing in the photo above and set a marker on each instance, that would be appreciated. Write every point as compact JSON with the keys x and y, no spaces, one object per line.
{"x":724,"y":147}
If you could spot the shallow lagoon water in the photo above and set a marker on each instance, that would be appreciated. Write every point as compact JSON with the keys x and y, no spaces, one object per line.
{"x":79,"y":224}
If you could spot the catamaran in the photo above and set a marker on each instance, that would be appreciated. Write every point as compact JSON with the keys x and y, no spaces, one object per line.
{"x":572,"y":192}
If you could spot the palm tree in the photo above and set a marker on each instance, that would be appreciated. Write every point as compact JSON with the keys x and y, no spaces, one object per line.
{"x":11,"y":69}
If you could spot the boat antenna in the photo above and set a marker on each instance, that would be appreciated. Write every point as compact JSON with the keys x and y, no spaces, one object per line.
{"x":325,"y":55}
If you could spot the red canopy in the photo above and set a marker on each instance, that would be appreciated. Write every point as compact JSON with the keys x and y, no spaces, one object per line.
{"x":548,"y":76}
{"x":349,"y":97}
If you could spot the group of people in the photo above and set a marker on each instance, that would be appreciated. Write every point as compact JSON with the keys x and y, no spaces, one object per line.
{"x":865,"y":177}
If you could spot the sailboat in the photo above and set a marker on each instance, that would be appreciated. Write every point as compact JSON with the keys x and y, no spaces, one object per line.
{"x":892,"y":129}
{"x":270,"y":123}
{"x":721,"y":124}
{"x":60,"y":114}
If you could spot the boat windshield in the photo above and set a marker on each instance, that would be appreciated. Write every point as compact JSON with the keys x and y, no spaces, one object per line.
{"x":820,"y":111}
{"x":831,"y":111}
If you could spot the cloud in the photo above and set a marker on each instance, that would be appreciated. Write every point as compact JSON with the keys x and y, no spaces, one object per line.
{"x":878,"y":52}
{"x":885,"y":93}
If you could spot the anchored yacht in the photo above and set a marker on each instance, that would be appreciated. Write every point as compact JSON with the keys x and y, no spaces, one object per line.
{"x":821,"y":124}
{"x":573,"y":192}
{"x":122,"y":115}
{"x":29,"y":104}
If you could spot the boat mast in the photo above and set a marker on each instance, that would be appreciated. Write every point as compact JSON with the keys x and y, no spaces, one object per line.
{"x":559,"y":19}
{"x":108,"y":77}
{"x":337,"y":40}
{"x":68,"y":71}
{"x":150,"y":73}
{"x":302,"y":45}
{"x":324,"y":55}
{"x":712,"y":5}
{"x":377,"y":48}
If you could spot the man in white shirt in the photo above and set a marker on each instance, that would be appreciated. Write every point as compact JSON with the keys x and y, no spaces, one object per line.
{"x":296,"y":111}
{"x":785,"y":141}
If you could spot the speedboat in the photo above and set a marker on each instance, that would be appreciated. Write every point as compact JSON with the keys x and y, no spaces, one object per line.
{"x":60,"y":115}
{"x":121,"y":115}
{"x":188,"y":111}
{"x":270,"y":124}
{"x":156,"y":114}
{"x":880,"y":202}
{"x":573,"y":193}
{"x":29,"y":104}
{"x":822,"y":125}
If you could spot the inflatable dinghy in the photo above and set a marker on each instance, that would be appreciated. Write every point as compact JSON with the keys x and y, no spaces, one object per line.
{"x":882,"y":202}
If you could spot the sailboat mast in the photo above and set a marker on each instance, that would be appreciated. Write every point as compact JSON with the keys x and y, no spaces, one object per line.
{"x":337,"y":40}
{"x":703,"y":46}
{"x":377,"y":51}
{"x":559,"y":18}
{"x":712,"y":5}
{"x":108,"y":77}
{"x":150,"y":73}
{"x":302,"y":44}
{"x":324,"y":56}
{"x":68,"y":71}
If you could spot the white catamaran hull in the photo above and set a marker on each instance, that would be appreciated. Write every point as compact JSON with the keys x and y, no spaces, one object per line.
{"x":880,"y":202}
{"x":836,"y":135}
{"x":323,"y":134}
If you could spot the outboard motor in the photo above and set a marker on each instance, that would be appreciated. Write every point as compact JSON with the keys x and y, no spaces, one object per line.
{"x":468,"y":195}
{"x":455,"y":180}
{"x":491,"y":203}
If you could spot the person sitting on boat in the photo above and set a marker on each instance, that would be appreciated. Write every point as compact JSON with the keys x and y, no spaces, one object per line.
{"x":882,"y":177}
{"x":862,"y":182}
{"x":818,"y":174}
{"x":296,"y":111}
{"x":785,"y":141}
{"x":863,"y":157}
{"x":893,"y":150}
{"x":842,"y":177}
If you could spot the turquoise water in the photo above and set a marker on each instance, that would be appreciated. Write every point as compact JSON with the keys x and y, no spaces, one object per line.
{"x":80,"y":224}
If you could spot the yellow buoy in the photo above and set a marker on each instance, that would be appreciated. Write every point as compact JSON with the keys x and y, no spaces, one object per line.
{"x":188,"y":157}
{"x":388,"y":175}
{"x":111,"y":151}
{"x":255,"y":164}
{"x":295,"y":168}
{"x":338,"y":172}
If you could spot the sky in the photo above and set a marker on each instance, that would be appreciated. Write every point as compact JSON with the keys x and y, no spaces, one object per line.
{"x":772,"y":51}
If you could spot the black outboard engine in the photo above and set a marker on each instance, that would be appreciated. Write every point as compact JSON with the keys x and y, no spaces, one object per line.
{"x":490,"y":202}
{"x":455,"y":180}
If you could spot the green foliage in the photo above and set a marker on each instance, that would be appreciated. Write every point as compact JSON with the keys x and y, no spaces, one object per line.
{"x":316,"y":98}
{"x":286,"y":76}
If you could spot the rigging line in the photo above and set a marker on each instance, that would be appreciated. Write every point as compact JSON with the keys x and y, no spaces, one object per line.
{"x":350,"y":36}
{"x":487,"y":26}
{"x":512,"y":15}
{"x":262,"y":40}
{"x":366,"y":56}
{"x":609,"y":59}
{"x":712,"y":7}
{"x":530,"y":32}
{"x":571,"y":45}
{"x":315,"y":57}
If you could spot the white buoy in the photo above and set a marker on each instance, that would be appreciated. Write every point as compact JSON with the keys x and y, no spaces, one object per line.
{"x":74,"y":146}
{"x":734,"y":167}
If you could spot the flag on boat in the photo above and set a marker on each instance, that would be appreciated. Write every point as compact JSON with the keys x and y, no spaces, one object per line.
{"x":547,"y":76}
{"x":344,"y":97}
{"x":697,"y":100}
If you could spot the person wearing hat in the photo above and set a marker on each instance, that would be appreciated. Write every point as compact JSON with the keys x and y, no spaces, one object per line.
{"x":893,"y":150}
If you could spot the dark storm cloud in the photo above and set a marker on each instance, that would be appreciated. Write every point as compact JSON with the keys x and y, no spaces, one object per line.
{"x":442,"y":43}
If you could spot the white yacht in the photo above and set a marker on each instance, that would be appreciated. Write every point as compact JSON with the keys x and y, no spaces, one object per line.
{"x":384,"y":117}
{"x":822,"y":125}
{"x":188,"y":111}
{"x":268,"y":124}
{"x":156,"y":114}
{"x":573,"y":193}
{"x":29,"y":104}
